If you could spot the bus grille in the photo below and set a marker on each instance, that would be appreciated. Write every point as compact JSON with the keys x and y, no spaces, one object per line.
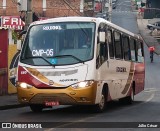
{"x":63,"y":99}
{"x":59,"y":73}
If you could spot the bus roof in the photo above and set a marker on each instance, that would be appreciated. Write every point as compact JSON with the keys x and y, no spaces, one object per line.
{"x":85,"y":19}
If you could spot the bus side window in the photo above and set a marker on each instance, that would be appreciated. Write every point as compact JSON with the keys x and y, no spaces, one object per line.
{"x":102,"y":54}
{"x":132,"y":47}
{"x":126,"y":47}
{"x":139,"y":48}
{"x":118,"y":45}
{"x":110,"y":43}
{"x":102,"y":48}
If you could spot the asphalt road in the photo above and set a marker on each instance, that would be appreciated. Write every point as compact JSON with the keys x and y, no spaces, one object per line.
{"x":144,"y":109}
{"x":123,"y":16}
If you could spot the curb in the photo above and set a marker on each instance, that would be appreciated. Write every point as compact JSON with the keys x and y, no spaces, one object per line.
{"x":6,"y":107}
{"x":134,"y":10}
{"x":157,"y":50}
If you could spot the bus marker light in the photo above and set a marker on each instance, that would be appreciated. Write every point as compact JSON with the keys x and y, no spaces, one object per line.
{"x":31,"y":93}
{"x":24,"y":99}
{"x":72,"y":93}
{"x":83,"y":98}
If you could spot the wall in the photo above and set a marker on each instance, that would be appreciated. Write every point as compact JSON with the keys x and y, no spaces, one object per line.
{"x":155,"y":4}
{"x":13,"y":56}
{"x":8,"y":63}
{"x":3,"y":61}
{"x":54,"y":8}
{"x":152,"y":10}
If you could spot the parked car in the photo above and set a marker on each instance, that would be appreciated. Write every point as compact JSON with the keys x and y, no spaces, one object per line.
{"x":153,"y":26}
{"x":114,"y":1}
{"x":114,"y":4}
{"x":102,"y":15}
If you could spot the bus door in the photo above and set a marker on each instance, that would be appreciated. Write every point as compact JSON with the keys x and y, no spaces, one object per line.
{"x":122,"y":63}
{"x":118,"y":66}
{"x":111,"y":77}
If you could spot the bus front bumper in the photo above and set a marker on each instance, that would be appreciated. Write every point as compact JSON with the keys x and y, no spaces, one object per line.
{"x":67,"y":96}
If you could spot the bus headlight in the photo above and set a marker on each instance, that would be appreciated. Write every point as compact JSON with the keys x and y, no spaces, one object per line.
{"x":25,"y":85}
{"x":82,"y":84}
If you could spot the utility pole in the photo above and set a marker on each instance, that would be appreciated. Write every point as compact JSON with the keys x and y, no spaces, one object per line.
{"x":102,"y":6}
{"x":29,"y":15}
{"x":25,"y":6}
{"x":110,"y":10}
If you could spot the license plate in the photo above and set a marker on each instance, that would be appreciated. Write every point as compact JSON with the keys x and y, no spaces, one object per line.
{"x":51,"y":103}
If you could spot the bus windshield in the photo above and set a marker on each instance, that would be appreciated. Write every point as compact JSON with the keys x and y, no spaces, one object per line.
{"x":59,"y":43}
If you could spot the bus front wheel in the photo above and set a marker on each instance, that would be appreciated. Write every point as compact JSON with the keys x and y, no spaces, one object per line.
{"x":100,"y":107}
{"x":36,"y":107}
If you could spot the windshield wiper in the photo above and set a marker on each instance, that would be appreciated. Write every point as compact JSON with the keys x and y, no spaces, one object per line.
{"x":41,"y":58}
{"x":55,"y":57}
{"x":70,"y":56}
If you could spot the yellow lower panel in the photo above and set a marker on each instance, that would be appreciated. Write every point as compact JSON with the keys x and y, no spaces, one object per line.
{"x":68,"y":96}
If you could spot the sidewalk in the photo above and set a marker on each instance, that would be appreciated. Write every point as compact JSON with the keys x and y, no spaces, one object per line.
{"x":11,"y":101}
{"x":145,"y":33}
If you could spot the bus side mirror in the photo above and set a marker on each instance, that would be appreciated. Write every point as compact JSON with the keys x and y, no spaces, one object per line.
{"x":19,"y":44}
{"x":102,"y":37}
{"x":22,"y":37}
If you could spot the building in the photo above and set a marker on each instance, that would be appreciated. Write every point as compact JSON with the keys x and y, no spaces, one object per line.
{"x":44,"y":8}
{"x":153,"y":3}
{"x":152,"y":9}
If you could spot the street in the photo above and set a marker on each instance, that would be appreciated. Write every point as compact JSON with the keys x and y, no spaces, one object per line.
{"x":144,"y":109}
{"x":124,"y":17}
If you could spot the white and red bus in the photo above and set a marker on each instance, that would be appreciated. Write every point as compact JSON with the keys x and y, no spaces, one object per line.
{"x":79,"y":61}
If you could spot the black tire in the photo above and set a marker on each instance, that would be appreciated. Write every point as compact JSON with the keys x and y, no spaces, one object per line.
{"x":129,"y":99}
{"x":36,"y":107}
{"x":100,"y":107}
{"x":151,"y":28}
